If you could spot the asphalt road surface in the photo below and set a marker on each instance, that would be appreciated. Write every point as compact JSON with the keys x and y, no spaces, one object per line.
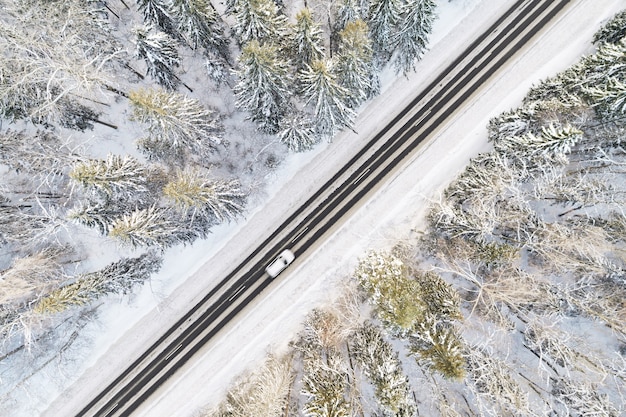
{"x":330,"y":205}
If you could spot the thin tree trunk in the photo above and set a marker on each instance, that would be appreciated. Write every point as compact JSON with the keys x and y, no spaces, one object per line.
{"x":105,"y":123}
{"x":112,"y":12}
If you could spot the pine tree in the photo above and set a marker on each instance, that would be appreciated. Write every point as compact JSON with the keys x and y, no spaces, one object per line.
{"x":383,"y":21}
{"x":324,"y":386}
{"x":329,"y":100}
{"x":395,"y":295}
{"x":296,"y":131}
{"x":412,"y":36}
{"x":613,"y":31}
{"x":609,"y":100}
{"x":158,"y":13}
{"x":354,"y":63}
{"x":347,"y":11}
{"x":216,"y":200}
{"x":552,"y":145}
{"x":116,"y":175}
{"x":263,"y":86}
{"x":438,"y":347}
{"x":160,"y":52}
{"x":198,"y":23}
{"x":381,"y":364}
{"x":94,"y":215}
{"x":258,"y":20}
{"x":153,"y":226}
{"x":306,"y":40}
{"x":176,"y":123}
{"x":116,"y":278}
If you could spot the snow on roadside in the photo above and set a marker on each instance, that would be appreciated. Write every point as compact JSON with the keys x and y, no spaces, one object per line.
{"x":124,"y":329}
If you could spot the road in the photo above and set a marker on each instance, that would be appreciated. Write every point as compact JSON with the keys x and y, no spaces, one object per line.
{"x":329,"y":206}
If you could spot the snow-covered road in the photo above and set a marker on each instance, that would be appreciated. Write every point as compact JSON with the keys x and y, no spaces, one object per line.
{"x":394,"y":213}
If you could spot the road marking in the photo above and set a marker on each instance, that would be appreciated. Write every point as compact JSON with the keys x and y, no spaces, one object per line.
{"x":236,"y":292}
{"x":364,"y":173}
{"x":111,"y":408}
{"x":422,"y":117}
{"x":299,"y":234}
{"x":173,"y":351}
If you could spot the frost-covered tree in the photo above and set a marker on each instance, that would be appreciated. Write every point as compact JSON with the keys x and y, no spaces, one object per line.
{"x":296,"y":131}
{"x":214,"y":199}
{"x":44,"y":71}
{"x":263,"y":85}
{"x":158,"y":13}
{"x":327,"y":99}
{"x":324,"y":386}
{"x":609,"y":100}
{"x":413,"y":31}
{"x":199,"y":24}
{"x":115,"y":175}
{"x":394,"y":294}
{"x":305,"y":38}
{"x":97,"y":215}
{"x":259,"y":20}
{"x":117,"y":278}
{"x":355,"y":71}
{"x":383,"y":20}
{"x":153,"y":226}
{"x":438,"y":347}
{"x":552,"y":145}
{"x":381,"y":364}
{"x":582,"y":399}
{"x":498,"y":393}
{"x":29,"y":275}
{"x":160,"y":52}
{"x":176,"y":124}
{"x":613,"y":31}
{"x":262,"y":393}
{"x":347,"y":11}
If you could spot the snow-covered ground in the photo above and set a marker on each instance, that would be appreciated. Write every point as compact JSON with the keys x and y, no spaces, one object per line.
{"x":123,"y":330}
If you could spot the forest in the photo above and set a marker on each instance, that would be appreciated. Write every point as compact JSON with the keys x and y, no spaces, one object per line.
{"x":511,"y":303}
{"x":131,"y":127}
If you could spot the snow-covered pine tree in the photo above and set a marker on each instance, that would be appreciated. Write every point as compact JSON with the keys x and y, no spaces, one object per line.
{"x":441,"y":299}
{"x":153,"y":226}
{"x":324,"y":386}
{"x":305,"y":38}
{"x":177,"y":124}
{"x":122,"y":176}
{"x":159,"y":13}
{"x":214,"y":199}
{"x":160,"y":52}
{"x":259,"y":20}
{"x":355,"y":70}
{"x":199,"y":24}
{"x":116,"y":278}
{"x":415,"y":26}
{"x":263,"y":85}
{"x":383,"y":20}
{"x":609,"y":100}
{"x":264,"y":393}
{"x":438,"y":346}
{"x":95,"y":215}
{"x":347,"y":11}
{"x":613,"y":31}
{"x":395,"y":295}
{"x":552,"y":145}
{"x":492,"y":381}
{"x":296,"y":131}
{"x":381,"y":364}
{"x":327,"y":99}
